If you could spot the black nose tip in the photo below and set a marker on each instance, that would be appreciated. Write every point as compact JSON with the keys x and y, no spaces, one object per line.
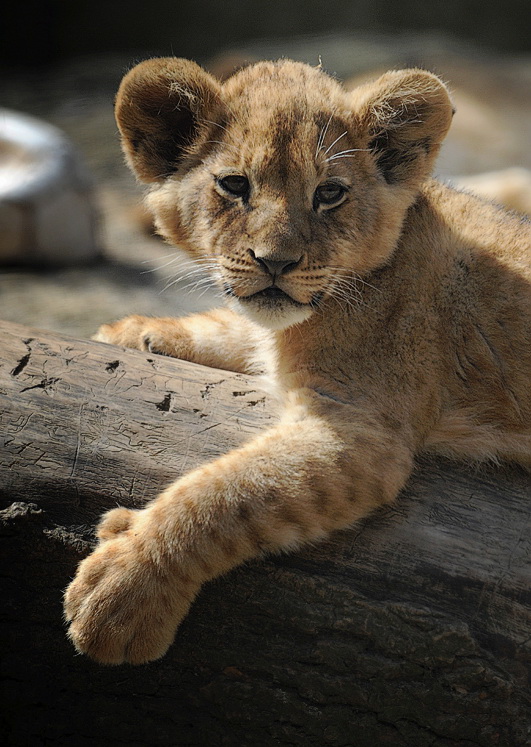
{"x":275,"y":267}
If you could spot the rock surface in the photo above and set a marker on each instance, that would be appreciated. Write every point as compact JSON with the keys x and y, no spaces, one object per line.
{"x":47,"y":211}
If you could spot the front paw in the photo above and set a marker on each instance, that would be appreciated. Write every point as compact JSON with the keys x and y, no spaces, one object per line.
{"x":131,"y":332}
{"x":125,"y":603}
{"x":163,"y":336}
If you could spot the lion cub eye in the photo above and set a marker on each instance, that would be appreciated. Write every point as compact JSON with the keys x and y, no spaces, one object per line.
{"x":235,"y":184}
{"x":330,"y":193}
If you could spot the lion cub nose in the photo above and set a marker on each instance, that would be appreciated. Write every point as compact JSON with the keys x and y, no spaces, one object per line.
{"x":275,"y":267}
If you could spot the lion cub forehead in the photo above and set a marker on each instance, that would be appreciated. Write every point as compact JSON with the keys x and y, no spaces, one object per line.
{"x":284,"y":84}
{"x":281,"y":73}
{"x":283,"y":107}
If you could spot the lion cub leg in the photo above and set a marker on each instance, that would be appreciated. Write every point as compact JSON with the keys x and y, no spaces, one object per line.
{"x":218,"y":338}
{"x":292,"y":485}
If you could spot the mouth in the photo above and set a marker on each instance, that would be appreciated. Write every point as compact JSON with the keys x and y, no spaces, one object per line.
{"x":272,"y":296}
{"x":271,"y":307}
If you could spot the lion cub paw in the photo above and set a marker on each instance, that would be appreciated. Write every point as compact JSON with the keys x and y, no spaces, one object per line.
{"x":124,"y":605}
{"x":131,"y":332}
{"x":143,"y":333}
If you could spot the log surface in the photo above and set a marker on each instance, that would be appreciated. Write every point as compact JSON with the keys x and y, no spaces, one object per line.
{"x":412,"y":628}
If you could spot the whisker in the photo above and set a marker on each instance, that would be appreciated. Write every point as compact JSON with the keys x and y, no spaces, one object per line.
{"x":341,"y":299}
{"x":195,"y":275}
{"x":335,"y":141}
{"x":349,"y":150}
{"x":338,"y":158}
{"x":322,"y":136}
{"x":160,"y":267}
{"x":347,"y":274}
{"x":189,"y":279}
{"x":345,"y":154}
{"x":197,"y":265}
{"x":189,"y":276}
{"x":145,"y":261}
{"x":207,"y":289}
{"x":199,"y":262}
{"x":342,"y":296}
{"x":191,"y":286}
{"x":364,"y":282}
{"x":344,"y":287}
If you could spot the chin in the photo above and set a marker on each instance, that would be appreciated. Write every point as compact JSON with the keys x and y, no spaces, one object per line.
{"x":274,"y":314}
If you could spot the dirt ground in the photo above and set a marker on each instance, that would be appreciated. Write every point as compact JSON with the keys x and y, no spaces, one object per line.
{"x":491,"y":130}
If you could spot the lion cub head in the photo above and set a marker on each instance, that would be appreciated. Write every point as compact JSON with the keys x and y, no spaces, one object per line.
{"x":282,"y":183}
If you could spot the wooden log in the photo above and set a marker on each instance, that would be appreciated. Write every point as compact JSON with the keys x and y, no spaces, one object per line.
{"x":412,"y":628}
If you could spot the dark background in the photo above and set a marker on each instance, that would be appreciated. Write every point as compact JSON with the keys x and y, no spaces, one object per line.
{"x":52,"y":31}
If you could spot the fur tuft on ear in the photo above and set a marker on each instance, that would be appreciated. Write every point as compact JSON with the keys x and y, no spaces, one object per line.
{"x":406,"y":115}
{"x":162,"y":107}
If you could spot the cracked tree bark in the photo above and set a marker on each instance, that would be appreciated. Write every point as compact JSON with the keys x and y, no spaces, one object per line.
{"x":410,"y":629}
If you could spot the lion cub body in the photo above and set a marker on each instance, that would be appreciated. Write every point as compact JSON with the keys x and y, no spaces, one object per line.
{"x":393,"y":313}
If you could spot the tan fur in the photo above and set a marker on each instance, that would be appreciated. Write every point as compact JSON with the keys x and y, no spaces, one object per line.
{"x":403,"y":326}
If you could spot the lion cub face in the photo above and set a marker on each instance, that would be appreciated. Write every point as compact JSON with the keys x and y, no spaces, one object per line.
{"x":284,"y":185}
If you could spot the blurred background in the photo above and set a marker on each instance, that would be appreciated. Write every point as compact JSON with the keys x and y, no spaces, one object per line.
{"x":61,"y":62}
{"x":50,"y":31}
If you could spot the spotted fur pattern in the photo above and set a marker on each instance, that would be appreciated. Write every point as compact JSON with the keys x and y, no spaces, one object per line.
{"x":392,"y":312}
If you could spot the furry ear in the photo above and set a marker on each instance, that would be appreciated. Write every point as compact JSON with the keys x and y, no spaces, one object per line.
{"x":161,"y":108}
{"x":406,"y":114}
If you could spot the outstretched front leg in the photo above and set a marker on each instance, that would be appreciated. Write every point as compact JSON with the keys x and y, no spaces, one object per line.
{"x":219,"y":338}
{"x":322,"y":468}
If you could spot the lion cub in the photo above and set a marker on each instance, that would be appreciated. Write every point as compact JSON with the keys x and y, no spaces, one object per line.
{"x":393,"y":312}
